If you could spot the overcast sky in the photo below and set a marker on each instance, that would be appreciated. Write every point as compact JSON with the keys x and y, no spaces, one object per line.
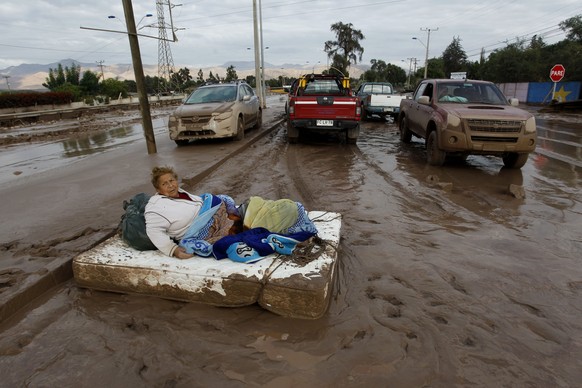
{"x":212,"y":32}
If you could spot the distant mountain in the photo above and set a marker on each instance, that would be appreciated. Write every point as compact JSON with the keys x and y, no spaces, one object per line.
{"x":32,"y":76}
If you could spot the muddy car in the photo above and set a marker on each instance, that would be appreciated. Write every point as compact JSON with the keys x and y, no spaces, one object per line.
{"x":216,"y":111}
{"x":466,"y":117}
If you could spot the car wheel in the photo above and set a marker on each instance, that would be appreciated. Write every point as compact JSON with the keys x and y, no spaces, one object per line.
{"x":435,"y":156}
{"x":180,"y":143}
{"x":364,"y":114}
{"x":352,"y":134}
{"x":292,"y":133}
{"x":259,"y":122}
{"x":240,"y":130}
{"x":515,"y":160}
{"x":405,"y":134}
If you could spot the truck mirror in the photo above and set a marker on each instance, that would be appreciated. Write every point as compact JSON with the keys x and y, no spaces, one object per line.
{"x":424,"y":100}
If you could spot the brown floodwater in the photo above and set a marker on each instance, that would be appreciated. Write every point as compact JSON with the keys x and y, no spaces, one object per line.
{"x":444,"y":278}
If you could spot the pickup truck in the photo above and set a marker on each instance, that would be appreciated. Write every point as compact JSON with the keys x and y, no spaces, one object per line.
{"x":322,"y":102}
{"x":379,"y":98}
{"x":466,"y":117}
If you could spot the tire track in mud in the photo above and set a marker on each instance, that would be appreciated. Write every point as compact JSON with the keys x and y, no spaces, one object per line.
{"x":440,"y":302}
{"x":413,"y":297}
{"x":301,"y":186}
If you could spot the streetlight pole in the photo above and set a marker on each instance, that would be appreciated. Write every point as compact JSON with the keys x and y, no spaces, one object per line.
{"x":258,"y":80}
{"x":263,"y":89}
{"x":426,"y":60}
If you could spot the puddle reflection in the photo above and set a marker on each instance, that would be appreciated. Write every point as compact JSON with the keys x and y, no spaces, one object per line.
{"x":96,"y":142}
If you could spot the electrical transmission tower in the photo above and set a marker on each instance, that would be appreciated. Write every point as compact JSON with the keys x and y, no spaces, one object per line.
{"x":166,"y":83}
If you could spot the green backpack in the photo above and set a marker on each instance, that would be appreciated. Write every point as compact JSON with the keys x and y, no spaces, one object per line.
{"x":133,"y":226}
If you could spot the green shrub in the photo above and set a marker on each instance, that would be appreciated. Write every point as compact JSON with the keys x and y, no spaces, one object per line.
{"x":21,"y":100}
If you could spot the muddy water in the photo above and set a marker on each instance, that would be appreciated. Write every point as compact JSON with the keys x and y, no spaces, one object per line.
{"x":38,"y":157}
{"x":445,"y":279}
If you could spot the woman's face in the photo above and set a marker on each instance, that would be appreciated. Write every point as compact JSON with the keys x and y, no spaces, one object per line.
{"x":168,"y":185}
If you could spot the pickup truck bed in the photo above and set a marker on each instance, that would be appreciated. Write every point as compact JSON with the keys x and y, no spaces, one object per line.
{"x":379,"y":98}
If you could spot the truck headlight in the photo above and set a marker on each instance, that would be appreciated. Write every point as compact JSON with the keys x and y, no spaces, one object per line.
{"x":453,"y":122}
{"x":172,"y":122}
{"x":530,"y":125}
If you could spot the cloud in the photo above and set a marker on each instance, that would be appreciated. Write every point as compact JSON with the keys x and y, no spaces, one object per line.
{"x":211,"y":33}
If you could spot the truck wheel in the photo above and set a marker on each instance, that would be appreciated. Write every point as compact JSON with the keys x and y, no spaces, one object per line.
{"x":515,"y":160}
{"x":364,"y":114}
{"x":182,"y":142}
{"x":292,"y":133}
{"x":240,"y":130}
{"x":435,"y":156}
{"x":352,"y":134}
{"x":405,"y":134}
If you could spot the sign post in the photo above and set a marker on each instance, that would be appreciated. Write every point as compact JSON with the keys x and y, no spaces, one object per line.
{"x":556,"y":74}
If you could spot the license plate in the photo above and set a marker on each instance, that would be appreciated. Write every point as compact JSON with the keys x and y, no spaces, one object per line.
{"x":388,"y":109}
{"x":324,"y":123}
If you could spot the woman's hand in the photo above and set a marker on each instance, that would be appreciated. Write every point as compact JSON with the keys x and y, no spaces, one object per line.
{"x":180,"y":253}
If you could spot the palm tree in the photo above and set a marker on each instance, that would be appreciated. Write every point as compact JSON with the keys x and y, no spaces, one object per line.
{"x":346,"y":49}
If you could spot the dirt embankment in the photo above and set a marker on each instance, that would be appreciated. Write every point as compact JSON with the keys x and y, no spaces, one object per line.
{"x":88,"y":121}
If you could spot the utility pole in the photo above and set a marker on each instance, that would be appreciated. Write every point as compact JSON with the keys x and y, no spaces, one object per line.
{"x":258,"y":78}
{"x":144,"y":104}
{"x":409,"y":70}
{"x":7,"y":82}
{"x":428,"y":30}
{"x":100,"y":64}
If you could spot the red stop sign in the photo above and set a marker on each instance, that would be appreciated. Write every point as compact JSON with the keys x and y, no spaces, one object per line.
{"x":557,"y":73}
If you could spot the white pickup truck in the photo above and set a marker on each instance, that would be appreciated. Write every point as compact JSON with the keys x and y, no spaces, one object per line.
{"x":379,"y":98}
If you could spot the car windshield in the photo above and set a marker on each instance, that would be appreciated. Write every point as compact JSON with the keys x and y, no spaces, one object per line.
{"x":470,"y":93}
{"x":212,"y":94}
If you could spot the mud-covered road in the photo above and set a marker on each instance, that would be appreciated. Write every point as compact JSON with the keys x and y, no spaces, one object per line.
{"x":445,"y":277}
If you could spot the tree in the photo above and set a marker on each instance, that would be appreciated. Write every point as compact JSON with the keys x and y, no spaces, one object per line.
{"x":131,"y":86}
{"x":346,"y":49}
{"x":573,"y":28}
{"x":380,"y":71}
{"x":113,"y":88}
{"x":73,"y":74}
{"x":231,"y":74}
{"x":251,"y":80}
{"x":200,"y":78}
{"x":89,"y":84}
{"x":454,"y":57}
{"x":74,"y":90}
{"x":537,"y":42}
{"x":56,"y":78}
{"x":181,"y":78}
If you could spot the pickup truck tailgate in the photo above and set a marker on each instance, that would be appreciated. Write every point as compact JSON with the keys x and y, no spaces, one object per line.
{"x":325,"y":107}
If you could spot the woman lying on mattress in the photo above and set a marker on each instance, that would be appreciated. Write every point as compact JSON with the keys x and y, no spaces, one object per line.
{"x":182,"y":225}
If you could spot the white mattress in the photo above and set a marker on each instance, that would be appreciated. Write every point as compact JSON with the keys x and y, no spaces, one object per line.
{"x":293,"y":287}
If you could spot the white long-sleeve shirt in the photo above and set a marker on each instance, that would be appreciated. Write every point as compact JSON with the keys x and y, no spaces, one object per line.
{"x":167,"y":219}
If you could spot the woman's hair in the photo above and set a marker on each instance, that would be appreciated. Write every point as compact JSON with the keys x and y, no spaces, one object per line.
{"x":157,"y":172}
